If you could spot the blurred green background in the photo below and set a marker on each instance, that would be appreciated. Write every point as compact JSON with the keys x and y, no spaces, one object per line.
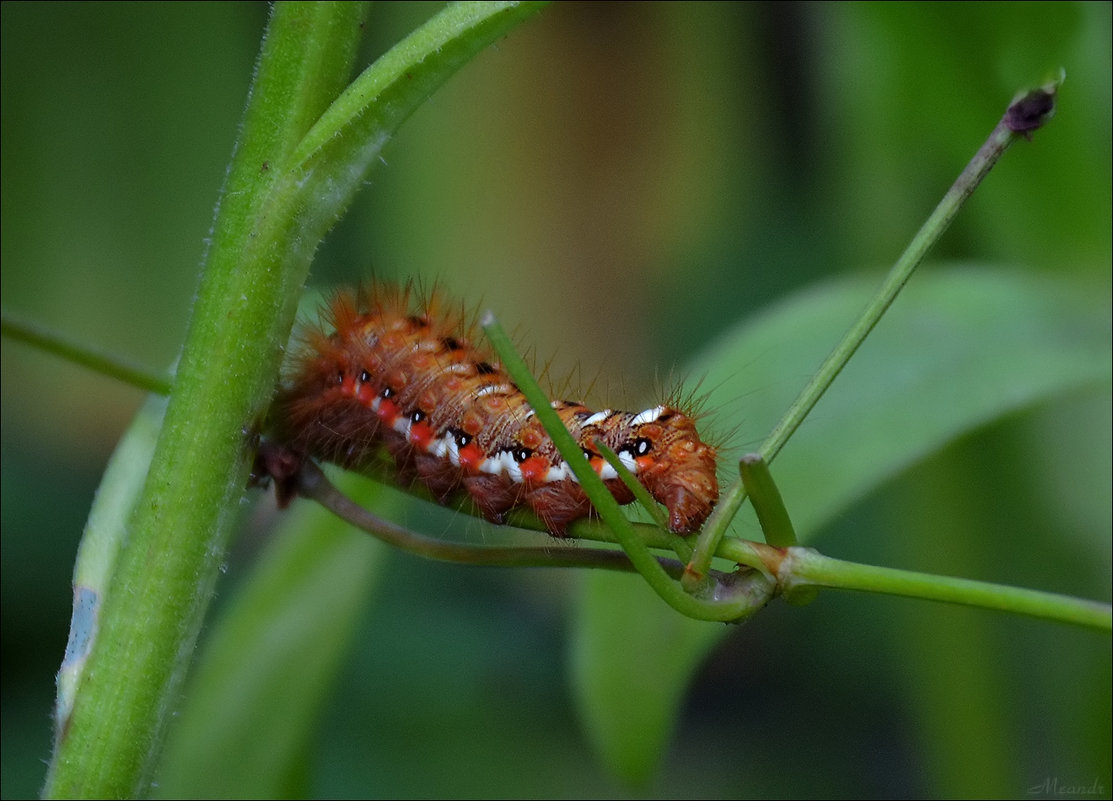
{"x":621,"y":182}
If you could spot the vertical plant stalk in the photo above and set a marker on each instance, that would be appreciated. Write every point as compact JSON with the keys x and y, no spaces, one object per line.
{"x":1026,"y":113}
{"x":180,"y":526}
{"x":284,"y":190}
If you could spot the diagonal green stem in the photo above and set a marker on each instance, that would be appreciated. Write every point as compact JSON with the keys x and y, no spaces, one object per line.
{"x":727,"y":602}
{"x":1023,"y":116}
{"x":97,"y":360}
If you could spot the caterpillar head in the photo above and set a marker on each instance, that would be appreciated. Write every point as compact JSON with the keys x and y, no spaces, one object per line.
{"x":674,"y":464}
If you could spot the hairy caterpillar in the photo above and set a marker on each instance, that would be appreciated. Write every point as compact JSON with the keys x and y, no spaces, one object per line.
{"x":375,"y":372}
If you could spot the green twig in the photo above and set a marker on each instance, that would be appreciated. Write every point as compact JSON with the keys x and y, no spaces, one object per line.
{"x":798,"y":571}
{"x":725,"y":601}
{"x":95,"y":359}
{"x":803,"y":567}
{"x":314,"y":485}
{"x":1023,"y":116}
{"x":641,"y":494}
{"x":764,"y":494}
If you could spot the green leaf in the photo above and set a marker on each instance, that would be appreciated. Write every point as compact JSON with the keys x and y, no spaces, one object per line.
{"x":255,"y":699}
{"x":960,"y":347}
{"x":628,"y":705}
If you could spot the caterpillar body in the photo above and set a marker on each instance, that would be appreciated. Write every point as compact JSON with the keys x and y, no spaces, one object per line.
{"x":381,"y":371}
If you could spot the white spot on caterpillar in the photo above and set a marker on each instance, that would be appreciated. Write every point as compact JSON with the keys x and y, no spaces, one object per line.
{"x":558,"y":473}
{"x":493,"y":389}
{"x":648,"y":416}
{"x":491,"y":466}
{"x":513,"y":469}
{"x":598,"y":417}
{"x":628,"y":461}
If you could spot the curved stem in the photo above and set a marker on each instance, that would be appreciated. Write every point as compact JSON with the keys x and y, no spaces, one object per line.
{"x":731,"y":601}
{"x":314,"y":485}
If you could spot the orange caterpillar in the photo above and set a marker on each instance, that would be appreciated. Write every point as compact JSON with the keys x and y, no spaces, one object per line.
{"x":376,"y":373}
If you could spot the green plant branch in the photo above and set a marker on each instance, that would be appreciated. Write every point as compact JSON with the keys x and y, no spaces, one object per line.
{"x":95,"y":359}
{"x":803,"y":567}
{"x":798,"y":571}
{"x":1024,"y":115}
{"x":725,"y":601}
{"x":764,"y":494}
{"x":314,"y":485}
{"x":678,"y":544}
{"x":278,"y":201}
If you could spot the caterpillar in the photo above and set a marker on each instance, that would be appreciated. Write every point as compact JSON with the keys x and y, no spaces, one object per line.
{"x":381,"y":370}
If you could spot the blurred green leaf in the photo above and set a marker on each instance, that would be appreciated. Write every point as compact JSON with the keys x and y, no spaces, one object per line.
{"x":631,"y":662}
{"x":255,"y":700}
{"x":961,"y":347}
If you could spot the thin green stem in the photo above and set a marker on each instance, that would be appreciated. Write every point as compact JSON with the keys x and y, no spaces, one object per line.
{"x":644,"y":499}
{"x":314,"y":485}
{"x":95,"y":359}
{"x":728,"y":602}
{"x":1023,"y":116}
{"x":805,"y":567}
{"x":798,"y":571}
{"x":764,"y":494}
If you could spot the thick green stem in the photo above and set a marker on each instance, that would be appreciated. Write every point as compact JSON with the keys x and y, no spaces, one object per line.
{"x":181,"y":524}
{"x":282,"y":194}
